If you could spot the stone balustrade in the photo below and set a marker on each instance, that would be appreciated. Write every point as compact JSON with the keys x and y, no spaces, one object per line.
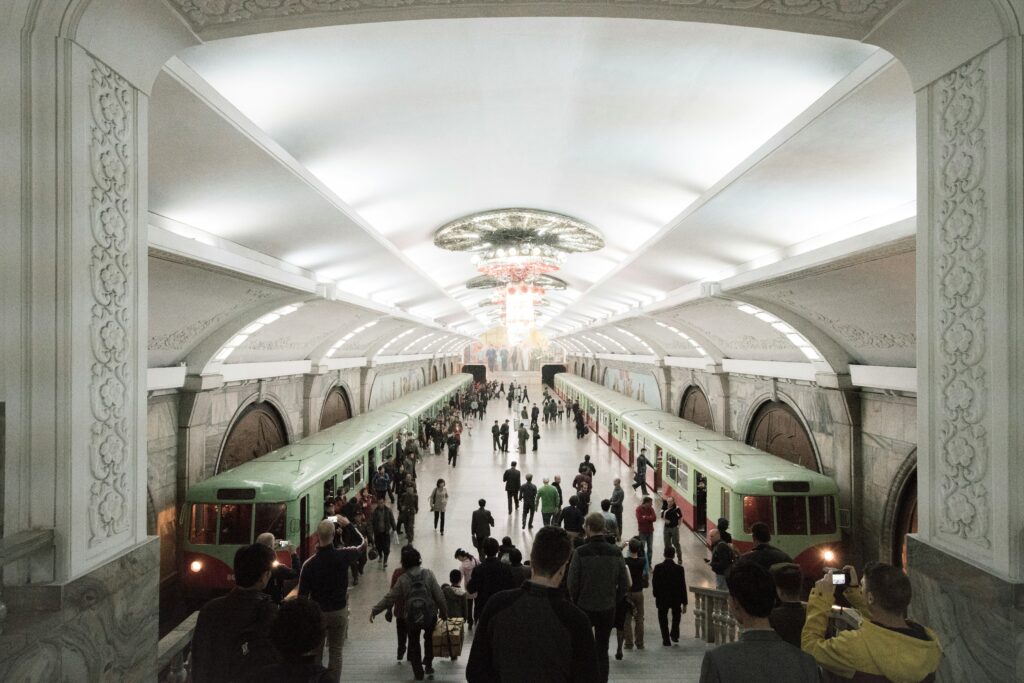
{"x":172,"y":656}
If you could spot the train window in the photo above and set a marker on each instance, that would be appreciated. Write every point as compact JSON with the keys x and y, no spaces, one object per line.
{"x":672,"y":467}
{"x":271,"y":517}
{"x":235,"y":524}
{"x":823,"y":514}
{"x":791,"y":514}
{"x":353,"y":476}
{"x":757,"y":509}
{"x":683,"y":477}
{"x":202,"y":528}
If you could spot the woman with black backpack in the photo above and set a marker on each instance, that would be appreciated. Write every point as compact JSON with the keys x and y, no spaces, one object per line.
{"x":422,"y":601}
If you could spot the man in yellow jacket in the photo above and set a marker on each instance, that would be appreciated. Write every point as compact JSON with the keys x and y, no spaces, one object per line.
{"x":887,"y":646}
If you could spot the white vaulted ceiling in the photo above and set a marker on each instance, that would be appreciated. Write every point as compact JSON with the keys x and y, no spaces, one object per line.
{"x":700,"y":152}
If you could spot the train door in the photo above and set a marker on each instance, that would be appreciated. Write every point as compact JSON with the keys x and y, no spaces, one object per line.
{"x":726,"y":496}
{"x":659,"y":456}
{"x":700,"y":502}
{"x":303,"y":528}
{"x":371,"y":461}
{"x":631,"y":442}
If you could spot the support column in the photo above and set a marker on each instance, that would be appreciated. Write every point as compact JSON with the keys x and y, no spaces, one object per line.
{"x":967,"y":562}
{"x":81,"y":463}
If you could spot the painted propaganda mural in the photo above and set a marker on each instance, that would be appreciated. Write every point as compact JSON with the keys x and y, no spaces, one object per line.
{"x":492,"y":350}
{"x":640,"y":385}
{"x":389,"y":386}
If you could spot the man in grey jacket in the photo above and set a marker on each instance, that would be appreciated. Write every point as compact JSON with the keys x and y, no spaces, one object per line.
{"x":528,"y":494}
{"x":597,"y":581}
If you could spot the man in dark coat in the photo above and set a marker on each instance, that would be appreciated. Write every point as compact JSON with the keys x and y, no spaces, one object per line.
{"x":216,"y":653}
{"x":481,"y":524}
{"x":764,"y":553}
{"x":668,"y":583}
{"x":512,"y":483}
{"x":489,"y":577}
{"x":534,"y":633}
{"x":496,"y":436}
{"x":504,"y":437}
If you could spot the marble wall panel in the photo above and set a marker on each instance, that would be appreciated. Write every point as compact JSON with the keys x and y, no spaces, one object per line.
{"x":979,"y":617}
{"x":98,"y":628}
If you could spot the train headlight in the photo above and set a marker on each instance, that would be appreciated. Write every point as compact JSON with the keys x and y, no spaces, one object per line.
{"x":275,"y":563}
{"x":828,"y":556}
{"x":196,"y":566}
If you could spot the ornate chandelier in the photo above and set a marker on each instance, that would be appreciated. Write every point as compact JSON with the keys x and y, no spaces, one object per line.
{"x":516,"y":251}
{"x":518,"y":245}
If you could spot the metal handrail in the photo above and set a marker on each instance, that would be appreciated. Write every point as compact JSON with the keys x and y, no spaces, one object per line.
{"x":20,"y":546}
{"x":170,"y":651}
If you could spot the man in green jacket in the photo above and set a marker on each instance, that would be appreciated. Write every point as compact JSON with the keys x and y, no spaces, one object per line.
{"x":887,"y":643}
{"x":548,"y":497}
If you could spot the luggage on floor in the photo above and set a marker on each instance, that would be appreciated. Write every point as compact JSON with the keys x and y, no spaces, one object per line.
{"x":447,"y":638}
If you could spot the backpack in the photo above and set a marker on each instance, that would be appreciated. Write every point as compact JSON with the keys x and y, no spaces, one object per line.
{"x":252,"y":649}
{"x":420,"y":610}
{"x":722,"y":557}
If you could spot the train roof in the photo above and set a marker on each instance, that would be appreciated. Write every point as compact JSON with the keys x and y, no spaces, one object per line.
{"x":608,"y":399}
{"x":743,"y":468}
{"x":283,"y":473}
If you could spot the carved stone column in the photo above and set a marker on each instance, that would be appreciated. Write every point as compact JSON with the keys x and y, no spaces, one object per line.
{"x":967,"y":562}
{"x":81,"y":407}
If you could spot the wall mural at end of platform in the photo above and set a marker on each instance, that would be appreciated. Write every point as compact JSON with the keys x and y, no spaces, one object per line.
{"x":493,"y":351}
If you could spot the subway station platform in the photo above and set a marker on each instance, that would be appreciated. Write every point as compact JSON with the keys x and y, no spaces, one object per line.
{"x":371,"y":648}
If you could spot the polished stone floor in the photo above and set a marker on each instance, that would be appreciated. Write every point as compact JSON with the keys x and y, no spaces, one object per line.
{"x":370,"y":651}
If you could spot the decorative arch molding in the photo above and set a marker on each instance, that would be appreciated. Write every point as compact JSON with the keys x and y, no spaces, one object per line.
{"x":274,"y":408}
{"x":834,"y":358}
{"x":433,"y":373}
{"x":779,"y":397}
{"x":200,"y":360}
{"x":691,"y":408}
{"x":336,"y":407}
{"x":714,"y":352}
{"x":906,"y":476}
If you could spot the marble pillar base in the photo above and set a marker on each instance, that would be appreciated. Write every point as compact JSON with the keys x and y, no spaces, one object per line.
{"x":979,"y":617}
{"x":98,"y":627}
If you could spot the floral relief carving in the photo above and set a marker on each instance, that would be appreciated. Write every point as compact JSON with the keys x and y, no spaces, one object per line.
{"x":205,"y":13}
{"x":110,"y":265}
{"x":961,"y":280}
{"x":854,"y":335}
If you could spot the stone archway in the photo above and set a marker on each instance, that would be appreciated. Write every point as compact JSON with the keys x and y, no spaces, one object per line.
{"x":433,"y":373}
{"x":593,"y":373}
{"x":696,"y":408}
{"x":337,"y":408}
{"x":777,"y":429}
{"x":258,"y":430}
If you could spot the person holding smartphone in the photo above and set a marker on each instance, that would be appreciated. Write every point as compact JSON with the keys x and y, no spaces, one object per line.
{"x":887,"y":644}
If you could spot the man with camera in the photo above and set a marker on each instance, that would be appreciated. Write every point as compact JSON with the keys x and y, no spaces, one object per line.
{"x":887,"y":645}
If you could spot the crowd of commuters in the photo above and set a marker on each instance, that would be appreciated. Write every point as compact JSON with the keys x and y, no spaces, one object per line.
{"x":548,"y":614}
